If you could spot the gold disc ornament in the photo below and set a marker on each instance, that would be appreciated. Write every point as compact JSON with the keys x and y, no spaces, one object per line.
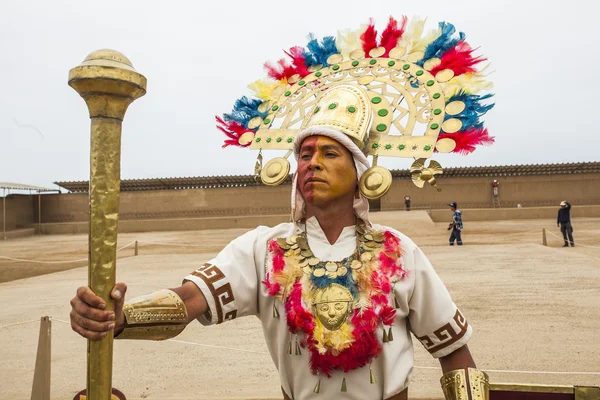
{"x":375,"y":182}
{"x":275,"y":172}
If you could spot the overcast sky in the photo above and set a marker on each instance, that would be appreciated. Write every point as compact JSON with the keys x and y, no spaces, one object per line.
{"x":199,"y":56}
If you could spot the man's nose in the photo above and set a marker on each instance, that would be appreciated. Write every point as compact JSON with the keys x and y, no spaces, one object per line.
{"x":315,"y":163}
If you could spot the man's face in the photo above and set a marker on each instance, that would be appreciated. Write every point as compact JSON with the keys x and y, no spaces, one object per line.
{"x":326,"y":171}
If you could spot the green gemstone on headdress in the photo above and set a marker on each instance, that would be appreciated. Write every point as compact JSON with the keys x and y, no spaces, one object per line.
{"x":434,"y":126}
{"x":275,"y":108}
{"x":430,"y":83}
{"x":289,"y":140}
{"x":355,"y":63}
{"x":427,"y":148}
{"x":287,"y":93}
{"x":257,"y":139}
{"x":335,"y":67}
{"x":301,"y":83}
{"x":279,"y":140}
{"x":267,"y":121}
{"x":376,"y":100}
{"x":268,"y":140}
{"x":383,"y":112}
{"x":401,"y":147}
{"x":375,"y":145}
{"x":406,"y":66}
{"x":318,"y":74}
{"x":436,"y":95}
{"x":420,"y":72}
{"x":317,"y":108}
{"x":391,"y":63}
{"x":351,"y":109}
{"x":332,"y":106}
{"x":388,"y":146}
{"x":373,"y":61}
{"x":381,"y":127}
{"x":437,"y":111}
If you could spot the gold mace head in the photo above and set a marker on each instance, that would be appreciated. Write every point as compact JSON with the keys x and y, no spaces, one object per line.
{"x":108,"y":83}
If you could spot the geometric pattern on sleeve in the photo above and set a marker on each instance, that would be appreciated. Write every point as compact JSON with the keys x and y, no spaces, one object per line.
{"x":446,"y":335}
{"x":219,"y":288}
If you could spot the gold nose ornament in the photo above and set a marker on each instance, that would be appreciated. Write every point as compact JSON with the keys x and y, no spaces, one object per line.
{"x":420,"y":174}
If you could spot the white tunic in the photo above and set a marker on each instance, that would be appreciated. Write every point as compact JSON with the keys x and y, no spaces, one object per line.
{"x":231,"y":283}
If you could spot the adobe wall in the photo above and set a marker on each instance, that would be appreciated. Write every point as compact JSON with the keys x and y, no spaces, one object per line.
{"x":175,"y":204}
{"x":476,"y":192}
{"x":230,"y":207}
{"x":19,"y":212}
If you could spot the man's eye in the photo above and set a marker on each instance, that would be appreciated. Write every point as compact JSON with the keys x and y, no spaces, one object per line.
{"x":331,"y":154}
{"x":305,"y":157}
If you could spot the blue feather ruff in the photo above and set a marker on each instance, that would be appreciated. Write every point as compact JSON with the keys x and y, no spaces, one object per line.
{"x":244,"y":110}
{"x":474,"y":109}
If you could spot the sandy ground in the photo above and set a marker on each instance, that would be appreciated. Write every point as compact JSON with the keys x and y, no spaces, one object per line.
{"x":533,"y":308}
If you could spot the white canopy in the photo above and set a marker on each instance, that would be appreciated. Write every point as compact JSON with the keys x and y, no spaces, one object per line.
{"x":20,"y":186}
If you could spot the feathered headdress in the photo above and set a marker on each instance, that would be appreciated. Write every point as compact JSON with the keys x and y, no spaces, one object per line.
{"x":425,"y":89}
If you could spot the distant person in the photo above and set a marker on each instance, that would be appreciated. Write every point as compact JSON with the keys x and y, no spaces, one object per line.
{"x":407,"y":202}
{"x":564,"y":222}
{"x":456,"y":225}
{"x":495,"y":188}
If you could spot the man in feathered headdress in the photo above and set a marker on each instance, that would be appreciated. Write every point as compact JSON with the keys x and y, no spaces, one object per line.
{"x":338,"y":296}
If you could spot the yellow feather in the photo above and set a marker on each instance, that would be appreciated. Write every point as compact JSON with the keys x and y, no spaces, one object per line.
{"x":347,"y":41}
{"x":421,"y":43}
{"x":413,"y":33}
{"x":472,"y":83}
{"x":287,"y":277}
{"x":262,"y":88}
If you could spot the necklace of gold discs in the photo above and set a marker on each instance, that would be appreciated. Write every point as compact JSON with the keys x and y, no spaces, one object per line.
{"x":297,"y":247}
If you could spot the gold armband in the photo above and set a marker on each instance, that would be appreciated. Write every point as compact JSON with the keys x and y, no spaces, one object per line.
{"x":155,"y":316}
{"x":456,"y":387}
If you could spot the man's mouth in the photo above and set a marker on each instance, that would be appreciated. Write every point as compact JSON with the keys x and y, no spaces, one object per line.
{"x":310,"y":180}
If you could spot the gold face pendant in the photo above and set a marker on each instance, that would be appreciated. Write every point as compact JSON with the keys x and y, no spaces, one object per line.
{"x":332,"y":305}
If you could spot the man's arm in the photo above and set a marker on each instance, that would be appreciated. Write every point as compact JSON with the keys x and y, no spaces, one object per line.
{"x":462,"y":379}
{"x":458,"y":359}
{"x":193,"y":299}
{"x":90,"y":320}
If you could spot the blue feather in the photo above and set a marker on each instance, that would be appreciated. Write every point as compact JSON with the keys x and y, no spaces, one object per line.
{"x":346,"y":281}
{"x":318,"y":52}
{"x":244,"y":110}
{"x":442,"y":43}
{"x":474,"y":109}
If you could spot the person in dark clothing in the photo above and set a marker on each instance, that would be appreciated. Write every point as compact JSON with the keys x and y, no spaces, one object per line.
{"x":407,"y":202}
{"x":564,"y":222}
{"x":456,"y":225}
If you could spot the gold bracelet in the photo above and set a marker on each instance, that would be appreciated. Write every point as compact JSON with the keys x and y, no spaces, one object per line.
{"x":156,"y":316}
{"x":455,"y":387}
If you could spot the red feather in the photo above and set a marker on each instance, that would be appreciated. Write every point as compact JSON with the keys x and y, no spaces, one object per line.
{"x":233,"y":130}
{"x":369,"y":38}
{"x":280,"y":70}
{"x":459,"y":59}
{"x":296,"y":53}
{"x":466,"y":141}
{"x":391,"y":34}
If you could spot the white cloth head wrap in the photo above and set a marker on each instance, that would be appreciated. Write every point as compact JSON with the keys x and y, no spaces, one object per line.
{"x":361,"y":204}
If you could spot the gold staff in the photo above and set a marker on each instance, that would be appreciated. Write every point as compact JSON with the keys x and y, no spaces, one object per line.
{"x":108,"y":83}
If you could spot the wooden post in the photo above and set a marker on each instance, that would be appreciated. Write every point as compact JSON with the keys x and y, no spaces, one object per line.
{"x":544,"y":241}
{"x":41,"y":377}
{"x":135,"y":253}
